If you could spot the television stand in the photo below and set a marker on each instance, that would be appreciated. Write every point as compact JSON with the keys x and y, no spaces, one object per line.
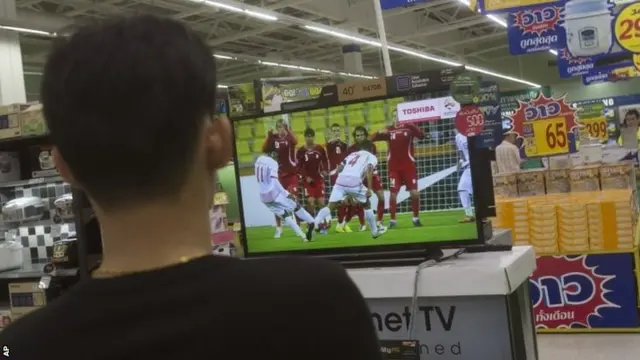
{"x":390,"y":258}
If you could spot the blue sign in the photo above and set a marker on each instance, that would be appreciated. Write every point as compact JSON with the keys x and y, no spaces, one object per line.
{"x":623,"y":71}
{"x":585,"y":291}
{"x":392,"y":4}
{"x":536,"y":29}
{"x":489,"y":104}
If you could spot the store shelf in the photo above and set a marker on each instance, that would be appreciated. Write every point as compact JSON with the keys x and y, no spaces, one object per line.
{"x":590,"y":252}
{"x":36,"y":181}
{"x":35,"y":271}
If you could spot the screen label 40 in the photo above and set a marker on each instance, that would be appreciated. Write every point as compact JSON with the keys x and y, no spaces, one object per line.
{"x":568,"y":289}
{"x":547,"y":137}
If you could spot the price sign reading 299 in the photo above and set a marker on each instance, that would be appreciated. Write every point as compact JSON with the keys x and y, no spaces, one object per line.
{"x":545,"y":125}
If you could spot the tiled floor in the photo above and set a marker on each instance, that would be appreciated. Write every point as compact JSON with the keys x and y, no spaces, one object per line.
{"x":589,"y":347}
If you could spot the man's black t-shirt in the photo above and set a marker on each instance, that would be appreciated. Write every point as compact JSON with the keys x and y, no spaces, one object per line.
{"x":210,"y":308}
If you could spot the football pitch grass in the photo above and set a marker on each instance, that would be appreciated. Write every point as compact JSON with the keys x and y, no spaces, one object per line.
{"x":436,"y":226}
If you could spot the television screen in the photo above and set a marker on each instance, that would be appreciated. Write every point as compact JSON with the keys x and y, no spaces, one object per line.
{"x":311,"y":169}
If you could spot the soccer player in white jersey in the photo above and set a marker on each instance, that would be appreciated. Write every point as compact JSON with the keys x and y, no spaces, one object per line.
{"x":465,"y":188}
{"x":355,"y":171}
{"x":278,"y":199}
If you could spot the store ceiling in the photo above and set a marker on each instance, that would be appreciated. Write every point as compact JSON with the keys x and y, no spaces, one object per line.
{"x":445,"y":28}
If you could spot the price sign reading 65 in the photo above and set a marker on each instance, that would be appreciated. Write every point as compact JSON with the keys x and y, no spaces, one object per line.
{"x":550,"y":137}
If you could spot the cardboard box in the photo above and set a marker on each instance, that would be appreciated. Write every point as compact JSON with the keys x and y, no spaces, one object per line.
{"x":557,"y":181}
{"x":617,"y":176}
{"x":585,"y":178}
{"x":10,"y":120}
{"x":505,"y":185}
{"x":531,"y":182}
{"x":32,"y":121}
{"x":41,"y":161}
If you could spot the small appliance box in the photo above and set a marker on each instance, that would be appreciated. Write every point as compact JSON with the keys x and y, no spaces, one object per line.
{"x":9,"y":166}
{"x":531,"y":182}
{"x":585,"y":178}
{"x":32,"y":121}
{"x":505,"y":185}
{"x":557,"y":181}
{"x":617,"y":176}
{"x":41,"y":161}
{"x":25,"y":297}
{"x":10,"y":120}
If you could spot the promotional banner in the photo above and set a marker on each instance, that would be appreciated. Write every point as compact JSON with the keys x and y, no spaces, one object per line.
{"x":593,"y":122}
{"x":276,"y":91}
{"x":489,"y":103}
{"x":392,"y":4}
{"x":242,"y":99}
{"x":428,"y":110}
{"x":502,"y":6}
{"x":545,"y":124}
{"x":611,"y":75}
{"x":509,"y":100}
{"x":535,"y":29}
{"x":400,"y":85}
{"x":585,"y":291}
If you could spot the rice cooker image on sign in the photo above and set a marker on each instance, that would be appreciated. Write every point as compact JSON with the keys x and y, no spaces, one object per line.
{"x":588,"y":27}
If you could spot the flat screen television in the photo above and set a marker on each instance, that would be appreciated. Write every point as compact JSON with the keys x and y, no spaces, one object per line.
{"x":309,"y":177}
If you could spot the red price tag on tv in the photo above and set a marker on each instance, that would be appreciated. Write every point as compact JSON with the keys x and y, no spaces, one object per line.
{"x":470,"y":120}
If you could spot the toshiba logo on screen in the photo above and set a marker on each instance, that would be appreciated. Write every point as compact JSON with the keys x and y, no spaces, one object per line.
{"x":428,"y":110}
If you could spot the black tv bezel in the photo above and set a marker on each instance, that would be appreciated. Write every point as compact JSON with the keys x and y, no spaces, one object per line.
{"x":347,"y":252}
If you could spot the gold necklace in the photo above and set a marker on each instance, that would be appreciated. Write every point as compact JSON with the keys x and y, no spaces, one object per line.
{"x":100,"y":272}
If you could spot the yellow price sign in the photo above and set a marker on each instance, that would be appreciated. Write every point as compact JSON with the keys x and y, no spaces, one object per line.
{"x":636,"y":61}
{"x":627,"y":28}
{"x":596,"y":128}
{"x":548,"y":137}
{"x":496,"y":5}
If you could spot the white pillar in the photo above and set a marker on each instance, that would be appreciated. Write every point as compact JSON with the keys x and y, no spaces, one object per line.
{"x":352,"y":55}
{"x":383,"y":37}
{"x":11,"y":73}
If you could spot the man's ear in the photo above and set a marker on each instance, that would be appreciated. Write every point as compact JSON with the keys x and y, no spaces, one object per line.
{"x":218,"y":143}
{"x":63,"y":168}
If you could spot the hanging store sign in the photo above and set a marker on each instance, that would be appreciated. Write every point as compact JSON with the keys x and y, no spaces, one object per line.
{"x":470,"y":120}
{"x":502,"y":6}
{"x":432,"y":80}
{"x":545,"y":124}
{"x":278,"y":91}
{"x":535,"y":29}
{"x":392,"y":4}
{"x":593,"y":121}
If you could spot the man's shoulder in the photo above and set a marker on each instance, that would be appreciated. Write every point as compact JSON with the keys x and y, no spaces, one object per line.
{"x":292,"y":269}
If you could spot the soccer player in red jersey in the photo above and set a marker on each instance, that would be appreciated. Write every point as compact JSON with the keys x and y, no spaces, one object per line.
{"x":401,"y":164}
{"x":284,"y":142}
{"x":312,"y":164}
{"x":336,"y":152}
{"x":361,"y":134}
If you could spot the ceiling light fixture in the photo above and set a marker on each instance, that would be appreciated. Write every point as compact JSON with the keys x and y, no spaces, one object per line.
{"x":27,"y":31}
{"x":250,"y":13}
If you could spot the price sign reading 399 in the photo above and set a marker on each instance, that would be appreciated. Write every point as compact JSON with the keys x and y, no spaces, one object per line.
{"x":545,"y":124}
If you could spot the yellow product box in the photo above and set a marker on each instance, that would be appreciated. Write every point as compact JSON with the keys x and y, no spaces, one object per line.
{"x":546,"y":249}
{"x":520,"y":243}
{"x":10,"y":120}
{"x":544,"y":224}
{"x":531,"y":182}
{"x":585,"y":178}
{"x":565,"y":248}
{"x":617,"y":176}
{"x":32,"y":121}
{"x":615,"y":230}
{"x":505,"y":185}
{"x":557,"y":181}
{"x":569,"y":222}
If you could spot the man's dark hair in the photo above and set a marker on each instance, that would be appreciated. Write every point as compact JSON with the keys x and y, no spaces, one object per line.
{"x":309,"y":132}
{"x":125,"y":100}
{"x":360,"y":128}
{"x":633,"y":112}
{"x":365,"y":145}
{"x":335,"y":125}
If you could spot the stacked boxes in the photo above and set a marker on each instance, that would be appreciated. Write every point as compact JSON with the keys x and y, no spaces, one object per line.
{"x":571,"y":223}
{"x":572,"y":229}
{"x":585,"y":178}
{"x":543,"y":225}
{"x":10,"y":120}
{"x":617,"y":176}
{"x":557,"y":181}
{"x":505,"y":185}
{"x":531,"y":182}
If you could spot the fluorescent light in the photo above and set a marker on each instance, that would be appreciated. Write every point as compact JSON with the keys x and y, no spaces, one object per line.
{"x":306,"y":68}
{"x":498,"y":20}
{"x":506,"y":77}
{"x":218,"y":56}
{"x":251,"y":13}
{"x":424,"y":56}
{"x":554,"y":52}
{"x":223,"y":86}
{"x":27,"y":31}
{"x":343,"y":36}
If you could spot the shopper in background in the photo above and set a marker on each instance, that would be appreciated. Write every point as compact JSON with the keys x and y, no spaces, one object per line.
{"x":130,"y":105}
{"x":508,"y":154}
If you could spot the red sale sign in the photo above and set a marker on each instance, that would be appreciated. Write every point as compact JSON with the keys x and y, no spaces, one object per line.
{"x":470,"y":120}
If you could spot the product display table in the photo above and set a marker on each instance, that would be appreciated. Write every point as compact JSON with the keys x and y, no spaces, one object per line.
{"x":475,"y":307}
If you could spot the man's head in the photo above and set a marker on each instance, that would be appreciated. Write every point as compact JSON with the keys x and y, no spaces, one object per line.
{"x":360,"y":134}
{"x":272,"y":153}
{"x":632,"y":118}
{"x":365,"y":145}
{"x":511,"y":137}
{"x":281,"y":127}
{"x":394,"y":116}
{"x":309,"y":136}
{"x":335,"y":131}
{"x":130,"y":105}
